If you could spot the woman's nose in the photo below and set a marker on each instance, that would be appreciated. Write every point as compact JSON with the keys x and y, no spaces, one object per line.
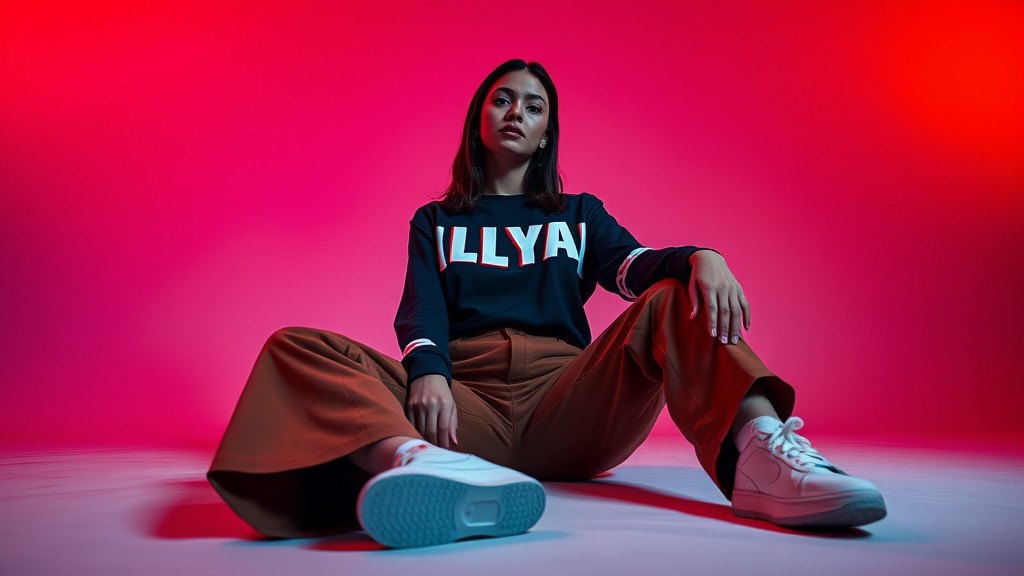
{"x":514,"y":112}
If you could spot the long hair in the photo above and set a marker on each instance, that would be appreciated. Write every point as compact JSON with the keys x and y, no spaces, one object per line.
{"x":542,"y":182}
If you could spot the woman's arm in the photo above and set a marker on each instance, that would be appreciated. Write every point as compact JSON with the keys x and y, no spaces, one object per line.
{"x":710,"y":281}
{"x":421,"y":325}
{"x":628,"y":268}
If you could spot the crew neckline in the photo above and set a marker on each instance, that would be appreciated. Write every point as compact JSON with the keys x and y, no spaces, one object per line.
{"x":501,"y":197}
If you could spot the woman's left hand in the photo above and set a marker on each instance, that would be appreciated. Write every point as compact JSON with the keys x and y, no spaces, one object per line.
{"x":726,"y":306}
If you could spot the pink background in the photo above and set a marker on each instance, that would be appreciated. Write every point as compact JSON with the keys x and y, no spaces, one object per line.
{"x":180,"y":179}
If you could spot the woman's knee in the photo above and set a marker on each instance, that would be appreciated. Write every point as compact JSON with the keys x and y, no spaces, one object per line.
{"x":287,"y":337}
{"x":298,"y":337}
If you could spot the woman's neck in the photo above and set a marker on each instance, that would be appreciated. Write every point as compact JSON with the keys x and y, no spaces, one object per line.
{"x":503,"y":177}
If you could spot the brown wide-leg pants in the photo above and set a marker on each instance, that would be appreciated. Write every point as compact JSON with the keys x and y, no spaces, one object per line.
{"x":533,"y":403}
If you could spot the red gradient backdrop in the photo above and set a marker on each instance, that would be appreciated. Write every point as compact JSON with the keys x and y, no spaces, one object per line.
{"x":179,"y":179}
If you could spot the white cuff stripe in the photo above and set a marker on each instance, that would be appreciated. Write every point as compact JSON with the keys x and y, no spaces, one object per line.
{"x":620,"y":278}
{"x":416,"y":344}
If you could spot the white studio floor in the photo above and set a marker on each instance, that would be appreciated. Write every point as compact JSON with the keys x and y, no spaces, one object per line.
{"x":150,"y":512}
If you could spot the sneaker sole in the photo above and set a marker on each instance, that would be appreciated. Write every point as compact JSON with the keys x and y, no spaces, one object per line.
{"x":424,"y":510}
{"x":843,"y":511}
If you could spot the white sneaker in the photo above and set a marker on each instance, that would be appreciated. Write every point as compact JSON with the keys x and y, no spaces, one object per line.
{"x":780,"y":478}
{"x":434,"y":496}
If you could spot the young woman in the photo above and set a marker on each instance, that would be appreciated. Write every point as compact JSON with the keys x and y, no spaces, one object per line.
{"x":500,"y":383}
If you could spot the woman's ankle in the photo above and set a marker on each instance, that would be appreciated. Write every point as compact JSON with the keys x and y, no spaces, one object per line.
{"x":380,"y":455}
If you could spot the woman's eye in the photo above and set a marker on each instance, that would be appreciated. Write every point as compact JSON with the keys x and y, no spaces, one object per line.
{"x":501,"y":101}
{"x":534,"y":109}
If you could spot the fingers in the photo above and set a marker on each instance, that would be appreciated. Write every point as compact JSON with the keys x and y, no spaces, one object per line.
{"x":431,"y":423}
{"x":728,"y":314}
{"x":430,"y":428}
{"x":693,"y":297}
{"x":431,"y":410}
{"x":453,"y":426}
{"x":445,"y":429}
{"x":424,"y":418}
{"x":727,"y":307}
{"x":724,"y":318}
{"x":735,"y":319}
{"x":711,"y":304}
{"x":746,"y":310}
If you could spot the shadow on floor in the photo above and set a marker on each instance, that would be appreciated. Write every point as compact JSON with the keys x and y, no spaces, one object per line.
{"x":198,"y":512}
{"x":606,"y":489}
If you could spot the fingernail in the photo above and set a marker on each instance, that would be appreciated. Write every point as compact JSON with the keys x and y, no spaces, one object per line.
{"x":714,"y":333}
{"x":724,"y":339}
{"x":735,"y":339}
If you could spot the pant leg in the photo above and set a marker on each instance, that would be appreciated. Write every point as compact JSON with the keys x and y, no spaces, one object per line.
{"x":314,"y":397}
{"x":603,"y":405}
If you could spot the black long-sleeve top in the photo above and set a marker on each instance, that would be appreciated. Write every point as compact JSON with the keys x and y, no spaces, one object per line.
{"x":509,"y":264}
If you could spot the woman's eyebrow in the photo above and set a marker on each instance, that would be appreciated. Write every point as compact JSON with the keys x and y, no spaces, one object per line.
{"x":529,"y":95}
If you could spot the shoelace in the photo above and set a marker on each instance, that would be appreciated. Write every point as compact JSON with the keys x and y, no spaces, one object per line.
{"x":785,"y":442}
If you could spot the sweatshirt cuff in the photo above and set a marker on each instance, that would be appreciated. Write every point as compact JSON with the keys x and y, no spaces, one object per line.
{"x":427,"y":360}
{"x":678,"y":265}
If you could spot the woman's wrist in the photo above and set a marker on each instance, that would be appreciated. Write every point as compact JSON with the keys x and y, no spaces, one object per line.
{"x":703,"y":253}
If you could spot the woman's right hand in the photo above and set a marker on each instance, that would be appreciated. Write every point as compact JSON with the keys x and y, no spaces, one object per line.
{"x":431,"y":409}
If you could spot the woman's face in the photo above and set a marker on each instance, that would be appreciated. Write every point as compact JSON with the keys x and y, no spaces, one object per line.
{"x":514,"y":118}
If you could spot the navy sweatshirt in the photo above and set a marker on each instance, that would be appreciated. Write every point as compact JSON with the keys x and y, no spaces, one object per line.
{"x":509,"y":264}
